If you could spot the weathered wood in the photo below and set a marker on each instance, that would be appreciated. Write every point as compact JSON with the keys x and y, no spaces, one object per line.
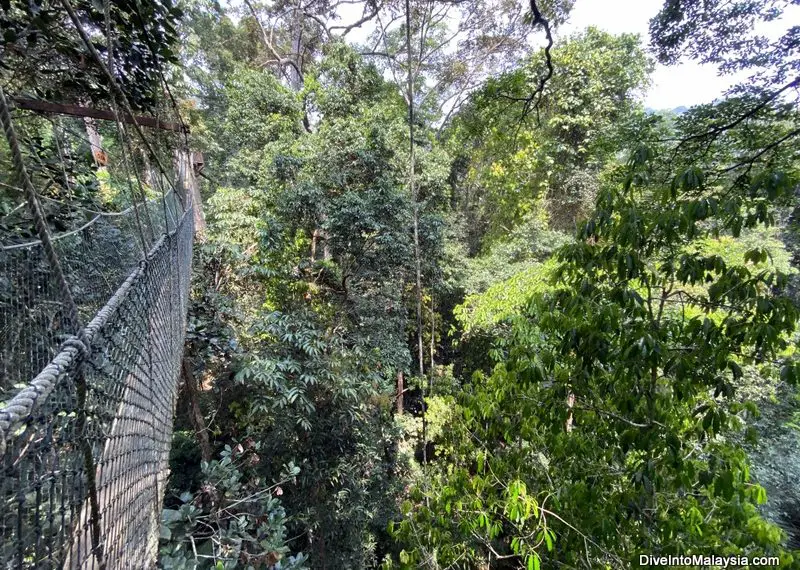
{"x":188,"y":186}
{"x":78,"y":111}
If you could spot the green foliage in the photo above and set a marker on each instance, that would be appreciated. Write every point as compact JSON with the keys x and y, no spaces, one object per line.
{"x":503,"y":300}
{"x":760,"y":248}
{"x":334,"y":257}
{"x":185,"y":471}
{"x":342,"y":85}
{"x":261,"y":117}
{"x":308,"y":254}
{"x":612,"y":402}
{"x":514,"y":166}
{"x":315,"y":398}
{"x":41,"y":41}
{"x":722,"y":33}
{"x":586,"y":410}
{"x":235,"y":519}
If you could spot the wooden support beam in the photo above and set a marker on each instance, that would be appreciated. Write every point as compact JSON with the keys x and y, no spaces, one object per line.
{"x":78,"y":111}
{"x":188,"y":187}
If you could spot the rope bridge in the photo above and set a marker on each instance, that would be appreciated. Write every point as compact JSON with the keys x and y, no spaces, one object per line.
{"x":86,"y":422}
{"x":83,"y":474}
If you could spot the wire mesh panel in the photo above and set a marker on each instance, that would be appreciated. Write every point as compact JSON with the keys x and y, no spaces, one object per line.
{"x":95,"y":224}
{"x":96,"y":261}
{"x":86,"y":444}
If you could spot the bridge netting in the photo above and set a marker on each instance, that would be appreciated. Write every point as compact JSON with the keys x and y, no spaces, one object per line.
{"x":84,"y":473}
{"x":90,"y":351}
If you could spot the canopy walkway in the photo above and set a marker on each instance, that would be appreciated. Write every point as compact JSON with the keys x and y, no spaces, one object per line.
{"x":85,"y":459}
{"x":87,"y":411}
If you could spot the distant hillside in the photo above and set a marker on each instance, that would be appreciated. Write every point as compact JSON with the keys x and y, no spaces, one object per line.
{"x":676,"y":111}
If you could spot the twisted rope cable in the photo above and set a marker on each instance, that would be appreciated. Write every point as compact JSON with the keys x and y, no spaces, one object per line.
{"x":22,"y":405}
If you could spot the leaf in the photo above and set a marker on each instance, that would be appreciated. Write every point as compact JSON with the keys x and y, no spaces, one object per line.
{"x":406,"y":507}
{"x":548,"y":539}
{"x":723,"y":485}
{"x":165,"y":533}
{"x":761,"y":495}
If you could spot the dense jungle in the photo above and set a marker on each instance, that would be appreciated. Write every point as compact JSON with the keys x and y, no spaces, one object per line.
{"x":459,"y":298}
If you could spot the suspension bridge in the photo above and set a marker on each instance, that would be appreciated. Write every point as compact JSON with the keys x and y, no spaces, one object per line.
{"x":92,"y":325}
{"x":85,"y":433}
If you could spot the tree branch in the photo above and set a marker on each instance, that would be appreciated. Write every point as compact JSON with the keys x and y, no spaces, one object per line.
{"x":589,"y":408}
{"x":364,"y":19}
{"x":749,"y":161}
{"x":282,"y":61}
{"x":717,"y":130}
{"x":535,"y":98}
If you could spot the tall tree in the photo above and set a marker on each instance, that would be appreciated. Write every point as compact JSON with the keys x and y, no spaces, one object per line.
{"x":606,"y":425}
{"x":457,"y":47}
{"x":515,"y":166}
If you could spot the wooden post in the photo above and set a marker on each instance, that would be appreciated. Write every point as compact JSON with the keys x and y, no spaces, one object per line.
{"x":190,"y":190}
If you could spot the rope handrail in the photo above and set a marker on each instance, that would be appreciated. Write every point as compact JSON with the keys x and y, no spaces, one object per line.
{"x":13,"y":412}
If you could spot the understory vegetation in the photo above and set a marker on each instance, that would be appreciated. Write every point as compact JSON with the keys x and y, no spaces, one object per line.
{"x":460,"y":300}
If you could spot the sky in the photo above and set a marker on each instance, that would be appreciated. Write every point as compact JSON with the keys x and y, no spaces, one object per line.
{"x":687,"y":83}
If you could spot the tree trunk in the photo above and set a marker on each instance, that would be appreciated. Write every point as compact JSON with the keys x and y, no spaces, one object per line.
{"x":148,"y":175}
{"x":432,"y":366}
{"x":295,"y":76}
{"x":95,"y":142}
{"x":196,"y":413}
{"x":417,"y":255}
{"x":570,"y":405}
{"x":399,"y":399}
{"x":326,"y":250}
